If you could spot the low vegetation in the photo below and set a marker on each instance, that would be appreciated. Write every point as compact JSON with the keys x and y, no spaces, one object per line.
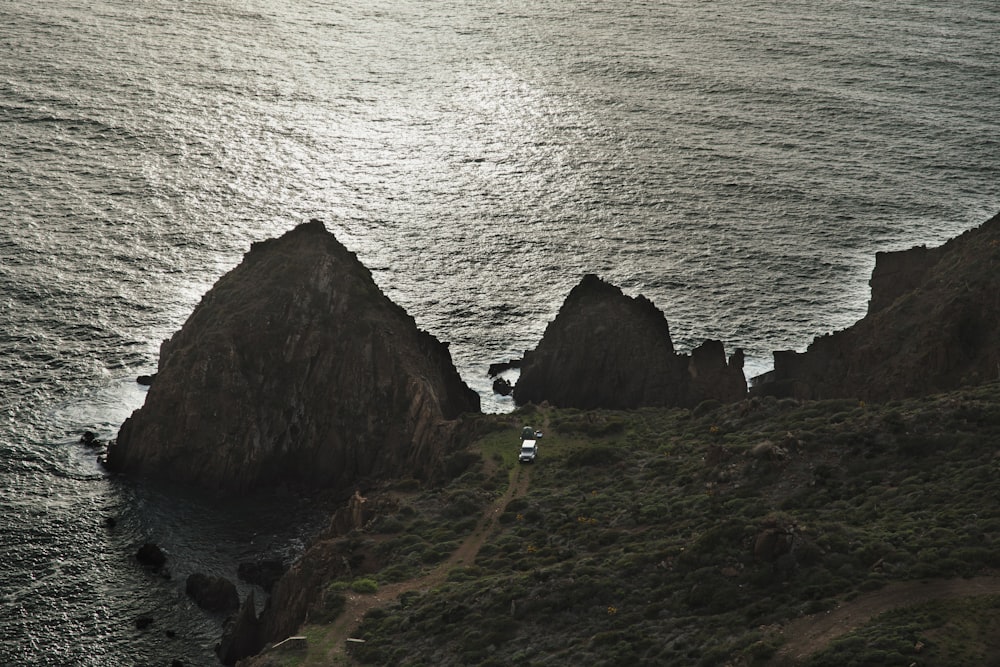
{"x":692,"y":537}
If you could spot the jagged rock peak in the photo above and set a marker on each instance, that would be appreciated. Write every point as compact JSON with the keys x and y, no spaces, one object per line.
{"x":605,"y":349}
{"x":933,"y":325}
{"x":594,"y":293}
{"x":296,"y":369}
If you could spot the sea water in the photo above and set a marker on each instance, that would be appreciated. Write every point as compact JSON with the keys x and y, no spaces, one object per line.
{"x":739,"y":162}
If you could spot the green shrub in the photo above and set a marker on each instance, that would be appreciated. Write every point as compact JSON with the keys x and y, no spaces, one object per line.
{"x":598,"y":455}
{"x":461,"y":503}
{"x":647,"y":528}
{"x":921,"y":444}
{"x":389,"y":524}
{"x":591,"y":424}
{"x":458,"y":462}
{"x":364,"y":585}
{"x":329,"y":606}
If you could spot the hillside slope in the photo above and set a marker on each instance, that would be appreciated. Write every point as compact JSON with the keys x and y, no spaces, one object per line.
{"x":694,"y":537}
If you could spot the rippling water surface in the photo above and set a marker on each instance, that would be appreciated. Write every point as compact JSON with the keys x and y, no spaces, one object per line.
{"x":738,"y":162}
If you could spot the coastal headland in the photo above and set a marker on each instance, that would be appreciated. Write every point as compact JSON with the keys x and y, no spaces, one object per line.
{"x":673,"y":513}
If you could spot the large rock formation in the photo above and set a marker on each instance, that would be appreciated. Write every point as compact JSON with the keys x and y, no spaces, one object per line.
{"x":296,"y":369}
{"x":933,"y":324}
{"x":607,"y":350}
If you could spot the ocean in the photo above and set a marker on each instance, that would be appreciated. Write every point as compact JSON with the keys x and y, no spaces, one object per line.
{"x":739,"y":162}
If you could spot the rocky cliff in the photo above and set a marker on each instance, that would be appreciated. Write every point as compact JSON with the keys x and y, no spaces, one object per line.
{"x":605,"y":349}
{"x":296,"y":369}
{"x":304,"y":588}
{"x":933,"y":324}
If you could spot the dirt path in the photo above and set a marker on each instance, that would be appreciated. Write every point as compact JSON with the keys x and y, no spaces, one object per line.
{"x":334,"y":638}
{"x":807,"y":635}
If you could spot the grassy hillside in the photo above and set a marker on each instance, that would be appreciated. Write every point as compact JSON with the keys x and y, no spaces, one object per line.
{"x":693,"y":537}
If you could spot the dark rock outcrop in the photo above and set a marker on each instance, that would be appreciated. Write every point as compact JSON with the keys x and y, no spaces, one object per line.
{"x":502,"y":387}
{"x":151,"y":556}
{"x":933,"y":324}
{"x":296,"y":369}
{"x":264,"y":573}
{"x":496,"y":369}
{"x":242,"y":634}
{"x":300,"y":591}
{"x":607,"y":350}
{"x":214,"y":594}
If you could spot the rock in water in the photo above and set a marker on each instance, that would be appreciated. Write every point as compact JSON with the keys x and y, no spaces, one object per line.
{"x":607,"y":350}
{"x":296,"y":369}
{"x":151,"y":556}
{"x":933,"y":325}
{"x":212,"y":593}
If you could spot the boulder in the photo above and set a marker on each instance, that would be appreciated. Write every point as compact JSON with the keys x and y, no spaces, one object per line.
{"x":211,"y":593}
{"x":295,"y":369}
{"x":933,"y":325}
{"x":605,"y":349}
{"x":502,"y":387}
{"x":151,"y":556}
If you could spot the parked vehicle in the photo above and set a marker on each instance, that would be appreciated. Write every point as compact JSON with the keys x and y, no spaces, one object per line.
{"x":529,"y":444}
{"x":529,"y":451}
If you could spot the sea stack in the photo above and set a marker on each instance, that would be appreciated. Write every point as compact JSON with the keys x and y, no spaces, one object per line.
{"x":605,"y":349}
{"x":295,"y":369}
{"x":933,"y":325}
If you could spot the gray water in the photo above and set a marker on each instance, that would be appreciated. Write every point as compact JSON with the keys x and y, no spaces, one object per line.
{"x":739,"y":162}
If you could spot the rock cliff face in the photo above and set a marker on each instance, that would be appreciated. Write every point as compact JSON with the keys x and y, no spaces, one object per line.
{"x":607,"y":350}
{"x":296,"y":369}
{"x":304,"y":586}
{"x":933,"y":324}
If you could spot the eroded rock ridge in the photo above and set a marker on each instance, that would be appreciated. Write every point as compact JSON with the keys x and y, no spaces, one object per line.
{"x":605,"y":349}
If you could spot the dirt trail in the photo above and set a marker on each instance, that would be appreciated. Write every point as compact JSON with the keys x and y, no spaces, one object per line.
{"x":336,"y":635}
{"x":807,"y":635}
